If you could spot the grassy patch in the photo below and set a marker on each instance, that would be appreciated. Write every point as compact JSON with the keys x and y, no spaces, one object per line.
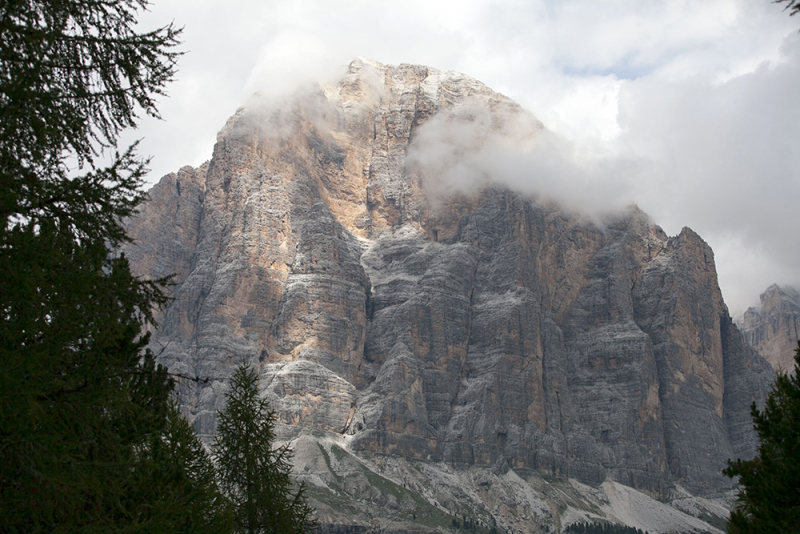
{"x":339,"y":452}
{"x":328,"y":462}
{"x":339,"y":503}
{"x":411,"y":507}
{"x":715,"y":521}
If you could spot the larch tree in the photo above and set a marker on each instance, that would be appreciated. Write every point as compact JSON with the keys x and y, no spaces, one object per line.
{"x":792,"y":6}
{"x":254,"y":473}
{"x":87,"y":428}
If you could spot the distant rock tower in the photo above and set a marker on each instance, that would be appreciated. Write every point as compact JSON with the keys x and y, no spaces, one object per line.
{"x":773,"y":330}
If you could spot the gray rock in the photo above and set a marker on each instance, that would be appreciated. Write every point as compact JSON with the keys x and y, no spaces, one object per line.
{"x":774,"y":328}
{"x":479,"y":329}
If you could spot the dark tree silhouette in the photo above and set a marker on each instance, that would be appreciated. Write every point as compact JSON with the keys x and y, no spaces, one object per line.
{"x":792,"y":6}
{"x":601,"y":528}
{"x":769,"y":497}
{"x":254,"y":473}
{"x":89,"y":441}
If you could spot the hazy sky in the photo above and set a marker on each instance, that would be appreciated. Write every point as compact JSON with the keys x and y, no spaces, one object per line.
{"x":689,"y":108}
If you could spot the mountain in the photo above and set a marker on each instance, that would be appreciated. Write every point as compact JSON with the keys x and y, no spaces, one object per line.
{"x":774,"y":328}
{"x":438,"y":346}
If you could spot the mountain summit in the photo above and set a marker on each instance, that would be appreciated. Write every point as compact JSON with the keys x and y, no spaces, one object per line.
{"x":433,"y":341}
{"x":774,"y":328}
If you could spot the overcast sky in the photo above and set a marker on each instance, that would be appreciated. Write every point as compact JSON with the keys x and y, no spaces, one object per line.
{"x":689,"y":108}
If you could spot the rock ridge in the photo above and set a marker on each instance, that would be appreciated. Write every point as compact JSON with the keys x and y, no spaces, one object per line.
{"x":774,"y":328}
{"x":476,"y":327}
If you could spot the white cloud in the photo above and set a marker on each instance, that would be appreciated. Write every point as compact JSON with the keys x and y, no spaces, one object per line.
{"x":470,"y":147}
{"x":722,"y":159}
{"x":686,"y":107}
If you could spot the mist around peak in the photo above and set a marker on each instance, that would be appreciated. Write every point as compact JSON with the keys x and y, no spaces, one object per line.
{"x":471,"y":147}
{"x":733,"y":189}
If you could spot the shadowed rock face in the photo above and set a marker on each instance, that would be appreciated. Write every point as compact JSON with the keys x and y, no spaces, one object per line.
{"x":481,"y":328}
{"x":774,"y":328}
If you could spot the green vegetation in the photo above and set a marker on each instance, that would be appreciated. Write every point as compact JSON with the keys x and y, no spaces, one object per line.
{"x":185,"y":483}
{"x":398,"y":502}
{"x":469,"y":524}
{"x":769,"y":498}
{"x":91,"y":439}
{"x":253,"y":474}
{"x":87,"y":429}
{"x":421,"y":511}
{"x":601,"y":528}
{"x":715,"y":521}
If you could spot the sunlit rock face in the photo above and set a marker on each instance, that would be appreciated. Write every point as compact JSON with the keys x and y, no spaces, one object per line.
{"x":774,"y":328}
{"x":330,"y":242}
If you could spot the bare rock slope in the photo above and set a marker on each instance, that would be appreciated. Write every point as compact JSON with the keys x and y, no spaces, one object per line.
{"x":471,"y":329}
{"x":774,"y":328}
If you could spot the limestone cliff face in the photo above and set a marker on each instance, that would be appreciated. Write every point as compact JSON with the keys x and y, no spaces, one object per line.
{"x":473,"y":328}
{"x":774,"y":328}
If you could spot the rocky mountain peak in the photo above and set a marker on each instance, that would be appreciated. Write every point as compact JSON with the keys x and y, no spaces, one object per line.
{"x":410,"y":314}
{"x":774,"y":328}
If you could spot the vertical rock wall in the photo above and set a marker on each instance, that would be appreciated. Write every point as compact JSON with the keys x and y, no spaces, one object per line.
{"x":480,"y":327}
{"x":774,"y":328}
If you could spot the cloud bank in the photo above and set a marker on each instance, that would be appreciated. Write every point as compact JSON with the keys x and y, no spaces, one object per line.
{"x":470,"y":147}
{"x":685,"y":108}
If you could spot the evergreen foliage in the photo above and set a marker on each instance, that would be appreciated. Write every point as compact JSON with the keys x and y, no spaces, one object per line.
{"x":78,"y":397}
{"x":467,"y":523}
{"x":792,"y":6}
{"x":89,"y":439}
{"x":185,"y":491}
{"x":253,"y":473}
{"x":769,"y":497}
{"x":602,"y":528}
{"x":73,"y":74}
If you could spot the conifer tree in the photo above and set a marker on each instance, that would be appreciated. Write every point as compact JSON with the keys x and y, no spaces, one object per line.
{"x":186,"y":493}
{"x":254,"y":473}
{"x":88,"y":438}
{"x":769,"y":497}
{"x":792,"y":6}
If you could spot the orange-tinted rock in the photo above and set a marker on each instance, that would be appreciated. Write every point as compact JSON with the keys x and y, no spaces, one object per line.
{"x":474,"y":328}
{"x":774,"y":328}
